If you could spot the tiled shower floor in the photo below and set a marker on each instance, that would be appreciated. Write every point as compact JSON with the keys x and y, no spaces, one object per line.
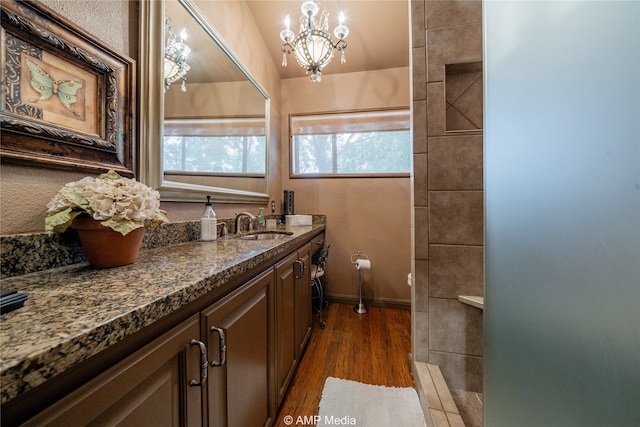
{"x":470,"y":407}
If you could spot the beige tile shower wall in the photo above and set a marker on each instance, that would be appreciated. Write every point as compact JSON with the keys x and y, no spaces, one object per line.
{"x":448,"y":196}
{"x":372,"y":215}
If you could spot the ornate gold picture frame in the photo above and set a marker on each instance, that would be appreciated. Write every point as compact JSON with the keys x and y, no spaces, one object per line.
{"x":67,"y":99}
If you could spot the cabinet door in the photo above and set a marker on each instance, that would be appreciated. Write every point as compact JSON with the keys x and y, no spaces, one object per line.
{"x":285,"y":324}
{"x":303,"y":311}
{"x":149,"y":388}
{"x":238,"y":333}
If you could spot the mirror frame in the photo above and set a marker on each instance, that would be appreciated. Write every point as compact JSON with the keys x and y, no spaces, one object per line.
{"x":151,"y":112}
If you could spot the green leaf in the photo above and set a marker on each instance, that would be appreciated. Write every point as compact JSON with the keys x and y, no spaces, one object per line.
{"x":58,"y":222}
{"x":123,"y":227}
{"x":75,"y":198}
{"x":159,"y":217}
{"x":110,"y":175}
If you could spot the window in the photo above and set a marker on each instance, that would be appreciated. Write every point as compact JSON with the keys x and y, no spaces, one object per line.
{"x":222,"y":147}
{"x":356,"y":143}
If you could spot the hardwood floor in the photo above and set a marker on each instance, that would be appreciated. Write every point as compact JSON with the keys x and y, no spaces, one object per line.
{"x":372,"y":348}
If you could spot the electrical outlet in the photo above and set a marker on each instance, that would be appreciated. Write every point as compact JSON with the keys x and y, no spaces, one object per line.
{"x":273,"y":206}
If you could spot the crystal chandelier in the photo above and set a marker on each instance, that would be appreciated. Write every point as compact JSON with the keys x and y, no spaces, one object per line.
{"x":175,"y":57}
{"x":313,"y":47}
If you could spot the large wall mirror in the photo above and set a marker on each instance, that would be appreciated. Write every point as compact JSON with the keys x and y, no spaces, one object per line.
{"x":209,"y":134}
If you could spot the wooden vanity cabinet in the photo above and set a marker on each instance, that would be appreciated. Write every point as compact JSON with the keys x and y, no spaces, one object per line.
{"x":292,"y":315}
{"x":151,"y":387}
{"x":159,"y":385}
{"x":239,"y":334}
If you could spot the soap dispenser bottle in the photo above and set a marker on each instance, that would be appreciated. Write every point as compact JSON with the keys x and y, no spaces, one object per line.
{"x":260,"y":223}
{"x":208,"y":222}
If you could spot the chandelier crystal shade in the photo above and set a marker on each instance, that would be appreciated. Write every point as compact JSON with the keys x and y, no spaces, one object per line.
{"x":176,"y":53}
{"x":313,"y":47}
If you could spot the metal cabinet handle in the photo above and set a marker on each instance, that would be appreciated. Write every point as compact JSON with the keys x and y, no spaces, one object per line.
{"x":203,"y":363}
{"x":300,"y":263}
{"x":222,"y":347}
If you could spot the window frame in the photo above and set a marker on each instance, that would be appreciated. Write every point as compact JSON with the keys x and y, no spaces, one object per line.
{"x":293,"y":175}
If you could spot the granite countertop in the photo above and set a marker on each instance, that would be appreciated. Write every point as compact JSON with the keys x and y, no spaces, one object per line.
{"x":75,"y":312}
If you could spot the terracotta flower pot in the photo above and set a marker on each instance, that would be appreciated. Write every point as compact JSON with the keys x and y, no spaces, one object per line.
{"x":104,"y":247}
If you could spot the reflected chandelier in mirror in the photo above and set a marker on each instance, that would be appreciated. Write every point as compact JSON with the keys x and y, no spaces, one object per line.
{"x":176,"y":53}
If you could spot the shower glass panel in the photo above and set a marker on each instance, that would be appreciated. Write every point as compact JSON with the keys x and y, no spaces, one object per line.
{"x":562,"y":219}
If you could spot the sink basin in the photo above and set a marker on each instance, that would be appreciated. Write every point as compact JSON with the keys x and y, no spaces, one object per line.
{"x":267,"y":235}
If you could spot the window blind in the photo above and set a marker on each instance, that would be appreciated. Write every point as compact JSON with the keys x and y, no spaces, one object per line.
{"x":243,"y":126}
{"x":352,"y":122}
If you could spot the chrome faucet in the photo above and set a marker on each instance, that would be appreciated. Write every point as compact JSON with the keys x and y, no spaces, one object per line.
{"x":239,"y":217}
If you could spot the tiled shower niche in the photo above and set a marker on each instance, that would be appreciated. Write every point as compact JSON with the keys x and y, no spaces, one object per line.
{"x":463,"y":96}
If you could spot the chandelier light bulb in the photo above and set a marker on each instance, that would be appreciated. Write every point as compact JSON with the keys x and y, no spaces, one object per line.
{"x":309,"y":8}
{"x":341,"y":32}
{"x":287,"y":35}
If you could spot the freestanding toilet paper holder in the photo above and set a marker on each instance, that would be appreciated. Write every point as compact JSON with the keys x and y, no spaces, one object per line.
{"x":361,"y":262}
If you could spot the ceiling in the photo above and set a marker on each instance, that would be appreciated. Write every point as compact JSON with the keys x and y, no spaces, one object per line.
{"x":378,"y":37}
{"x":378,"y":33}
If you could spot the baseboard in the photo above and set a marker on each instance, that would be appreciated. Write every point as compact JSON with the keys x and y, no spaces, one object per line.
{"x":380,"y":303}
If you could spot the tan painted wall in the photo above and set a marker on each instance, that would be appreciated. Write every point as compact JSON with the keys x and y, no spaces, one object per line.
{"x":371,"y":215}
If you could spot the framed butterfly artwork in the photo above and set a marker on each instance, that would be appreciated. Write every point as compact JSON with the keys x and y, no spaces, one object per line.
{"x":68,"y":100}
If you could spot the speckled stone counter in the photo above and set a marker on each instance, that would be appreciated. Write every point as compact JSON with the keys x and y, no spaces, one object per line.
{"x":75,"y":312}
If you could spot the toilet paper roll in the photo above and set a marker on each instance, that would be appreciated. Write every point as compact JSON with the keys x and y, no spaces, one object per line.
{"x":363,"y":264}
